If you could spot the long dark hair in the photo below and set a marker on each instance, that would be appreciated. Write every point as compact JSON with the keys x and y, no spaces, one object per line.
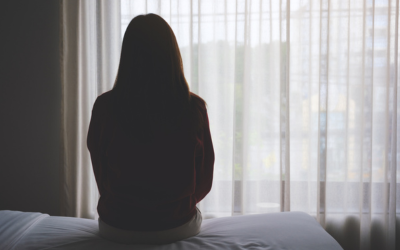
{"x":150,"y":90}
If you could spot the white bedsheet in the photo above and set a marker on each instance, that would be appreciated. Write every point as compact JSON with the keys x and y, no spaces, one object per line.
{"x":288,"y":230}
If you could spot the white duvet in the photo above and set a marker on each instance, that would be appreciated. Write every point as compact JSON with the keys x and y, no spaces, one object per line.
{"x":288,"y":230}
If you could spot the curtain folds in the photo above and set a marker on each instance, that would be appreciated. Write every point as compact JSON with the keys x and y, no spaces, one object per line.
{"x":90,"y":48}
{"x":302,"y":101}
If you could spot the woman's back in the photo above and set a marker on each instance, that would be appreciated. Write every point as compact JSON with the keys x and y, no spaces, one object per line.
{"x":149,"y":186}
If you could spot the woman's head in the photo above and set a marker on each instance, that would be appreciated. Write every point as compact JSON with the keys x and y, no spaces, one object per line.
{"x":150,"y":87}
{"x":151,"y":62}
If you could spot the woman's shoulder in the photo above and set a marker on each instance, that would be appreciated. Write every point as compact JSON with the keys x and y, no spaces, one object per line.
{"x":106,"y":96}
{"x":198,"y":101}
{"x":102,"y":103}
{"x":103,"y":99}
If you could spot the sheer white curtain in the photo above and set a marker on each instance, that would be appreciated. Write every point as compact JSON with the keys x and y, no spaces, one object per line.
{"x":302,"y":100}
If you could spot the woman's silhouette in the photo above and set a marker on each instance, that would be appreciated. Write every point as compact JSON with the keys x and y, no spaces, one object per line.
{"x":150,"y":142}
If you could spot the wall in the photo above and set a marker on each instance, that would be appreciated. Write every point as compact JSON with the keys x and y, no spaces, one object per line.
{"x":30,"y":94}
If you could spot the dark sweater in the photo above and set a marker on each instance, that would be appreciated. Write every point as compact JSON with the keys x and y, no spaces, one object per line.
{"x":148,"y":187}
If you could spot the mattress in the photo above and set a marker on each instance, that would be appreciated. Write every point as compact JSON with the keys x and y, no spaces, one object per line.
{"x":286,"y":230}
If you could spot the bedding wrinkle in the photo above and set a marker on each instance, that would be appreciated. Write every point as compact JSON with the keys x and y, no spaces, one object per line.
{"x":14,"y":228}
{"x":30,"y":227}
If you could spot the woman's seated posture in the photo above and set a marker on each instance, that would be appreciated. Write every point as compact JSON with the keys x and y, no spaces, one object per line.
{"x":150,"y":142}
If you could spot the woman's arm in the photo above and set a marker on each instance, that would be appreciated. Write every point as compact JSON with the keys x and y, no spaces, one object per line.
{"x":204,"y":163}
{"x":93,"y":142}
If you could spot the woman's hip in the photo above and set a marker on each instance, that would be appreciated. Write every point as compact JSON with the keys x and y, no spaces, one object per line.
{"x":189,"y":229}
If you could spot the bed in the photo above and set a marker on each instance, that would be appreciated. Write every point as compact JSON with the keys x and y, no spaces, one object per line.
{"x":273,"y":231}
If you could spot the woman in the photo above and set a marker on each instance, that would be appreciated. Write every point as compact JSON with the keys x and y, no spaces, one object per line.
{"x":150,"y":142}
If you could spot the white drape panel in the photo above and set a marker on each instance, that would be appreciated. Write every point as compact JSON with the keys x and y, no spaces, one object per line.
{"x":90,"y":47}
{"x":302,"y":100}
